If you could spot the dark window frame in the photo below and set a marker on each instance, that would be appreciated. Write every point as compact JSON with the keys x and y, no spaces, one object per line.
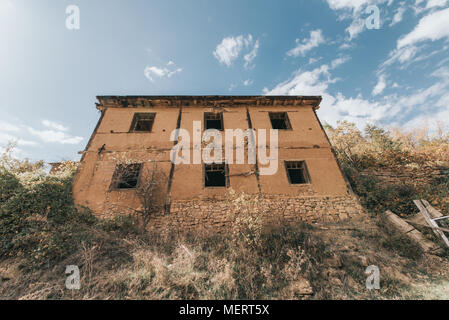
{"x":136,"y":120}
{"x":305,"y":171}
{"x":213,"y":114}
{"x":117,"y":177}
{"x":226,"y":173}
{"x":272,"y":116}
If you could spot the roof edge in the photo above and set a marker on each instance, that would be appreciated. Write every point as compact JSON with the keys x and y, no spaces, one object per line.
{"x":205,"y":100}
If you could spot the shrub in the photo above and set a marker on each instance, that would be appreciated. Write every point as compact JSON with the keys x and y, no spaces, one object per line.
{"x":9,"y":185}
{"x":38,"y":219}
{"x":124,"y":224}
{"x":380,"y":149}
{"x":378,"y":195}
{"x":41,"y":222}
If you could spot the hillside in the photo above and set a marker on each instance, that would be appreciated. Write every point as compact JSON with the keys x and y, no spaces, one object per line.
{"x":42,"y":232}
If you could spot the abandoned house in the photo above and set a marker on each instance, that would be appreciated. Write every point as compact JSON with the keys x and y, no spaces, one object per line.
{"x":135,"y":133}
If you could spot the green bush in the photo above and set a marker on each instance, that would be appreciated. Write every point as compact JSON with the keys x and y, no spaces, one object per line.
{"x":39,"y":222}
{"x":9,"y":185}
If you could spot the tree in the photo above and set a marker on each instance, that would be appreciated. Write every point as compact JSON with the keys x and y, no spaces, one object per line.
{"x":149,"y":184}
{"x":151,"y":191}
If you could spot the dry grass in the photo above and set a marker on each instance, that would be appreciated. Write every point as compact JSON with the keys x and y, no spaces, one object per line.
{"x":302,"y":262}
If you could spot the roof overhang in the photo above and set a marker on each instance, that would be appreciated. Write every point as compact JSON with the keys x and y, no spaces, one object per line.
{"x":206,"y":101}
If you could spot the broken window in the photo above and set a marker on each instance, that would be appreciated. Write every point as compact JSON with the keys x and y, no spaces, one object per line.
{"x":215,"y":175}
{"x":279,"y":120}
{"x":297,"y":172}
{"x":213,"y":120}
{"x":126,"y":176}
{"x":142,"y":122}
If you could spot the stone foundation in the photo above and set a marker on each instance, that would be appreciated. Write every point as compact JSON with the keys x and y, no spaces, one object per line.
{"x":216,"y":216}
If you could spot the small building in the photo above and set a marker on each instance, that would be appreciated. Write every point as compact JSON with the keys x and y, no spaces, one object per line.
{"x":136,"y":132}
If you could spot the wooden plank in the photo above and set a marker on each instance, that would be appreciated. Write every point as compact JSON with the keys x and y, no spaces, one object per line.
{"x":441,"y":218}
{"x":400,"y":224}
{"x":434,"y":213}
{"x":412,"y":222}
{"x":416,"y":236}
{"x":418,"y":219}
{"x":430,"y":221}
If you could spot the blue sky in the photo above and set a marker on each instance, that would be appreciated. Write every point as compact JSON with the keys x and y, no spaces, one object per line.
{"x":397,"y":75}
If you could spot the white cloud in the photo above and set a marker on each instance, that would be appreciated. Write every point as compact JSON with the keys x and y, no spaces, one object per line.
{"x":430,"y":102}
{"x":5,"y":138}
{"x":442,"y":73}
{"x":232,"y":86}
{"x":55,"y":133}
{"x":339,"y":61}
{"x":346,"y":46}
{"x":349,"y":4}
{"x":355,"y":28}
{"x":398,"y":15}
{"x":357,"y":110}
{"x":229,"y":49}
{"x":316,"y":38}
{"x":9,"y":132}
{"x":353,"y":9}
{"x":53,"y":136}
{"x":251,"y":56}
{"x":402,"y":55}
{"x":5,"y":126}
{"x":152,"y":71}
{"x":54,"y":125}
{"x":312,"y":83}
{"x":333,"y":108}
{"x":424,"y":100}
{"x":444,"y":102}
{"x":421,"y":97}
{"x":313,"y":60}
{"x":433,"y":26}
{"x":380,"y":86}
{"x":436,"y":3}
{"x":247,"y":82}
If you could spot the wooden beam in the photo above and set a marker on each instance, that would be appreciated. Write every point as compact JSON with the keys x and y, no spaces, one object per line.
{"x":409,"y":231}
{"x":441,"y":218}
{"x":432,"y":211}
{"x":430,"y":221}
{"x":425,"y":225}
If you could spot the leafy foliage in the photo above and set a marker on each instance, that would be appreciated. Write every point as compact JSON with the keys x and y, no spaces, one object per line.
{"x":38,"y":219}
{"x":9,"y":185}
